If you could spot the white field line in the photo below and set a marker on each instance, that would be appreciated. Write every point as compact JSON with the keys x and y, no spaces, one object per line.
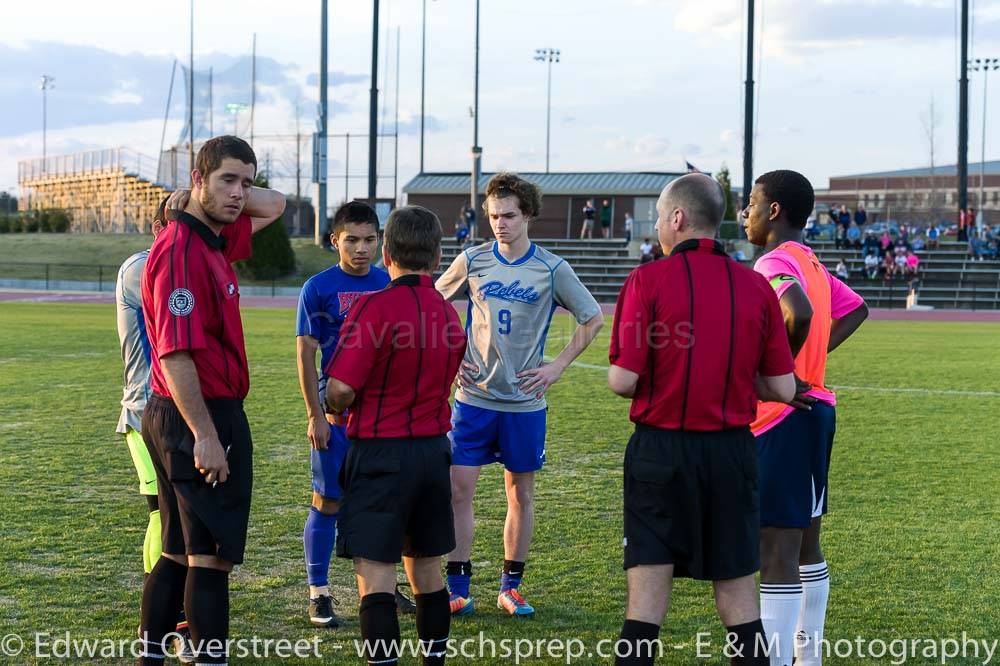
{"x":876,"y":389}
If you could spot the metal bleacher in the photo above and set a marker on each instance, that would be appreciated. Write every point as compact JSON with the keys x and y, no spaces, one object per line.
{"x":949,"y":279}
{"x":602,"y":265}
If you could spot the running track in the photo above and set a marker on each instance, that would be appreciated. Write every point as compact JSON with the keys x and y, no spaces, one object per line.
{"x":26,"y":296}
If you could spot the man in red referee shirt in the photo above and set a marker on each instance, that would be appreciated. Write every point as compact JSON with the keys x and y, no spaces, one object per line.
{"x":398,"y":354}
{"x":193,"y":424}
{"x":697,"y":338}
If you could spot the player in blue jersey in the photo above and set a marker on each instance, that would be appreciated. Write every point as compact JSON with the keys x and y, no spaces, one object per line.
{"x":324,"y":303}
{"x":513,"y":288}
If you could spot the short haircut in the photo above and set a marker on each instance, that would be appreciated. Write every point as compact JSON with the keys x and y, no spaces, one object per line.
{"x":218,"y":148}
{"x":792,"y":191}
{"x":701,"y":197}
{"x":161,"y":211}
{"x":355,"y":212}
{"x":413,"y":238}
{"x":507,"y":184}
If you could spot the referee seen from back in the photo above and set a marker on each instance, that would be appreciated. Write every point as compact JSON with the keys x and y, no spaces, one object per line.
{"x":398,"y":354}
{"x":697,"y":339}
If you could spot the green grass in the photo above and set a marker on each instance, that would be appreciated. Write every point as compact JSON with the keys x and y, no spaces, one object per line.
{"x":77,"y":256}
{"x":912,"y":539}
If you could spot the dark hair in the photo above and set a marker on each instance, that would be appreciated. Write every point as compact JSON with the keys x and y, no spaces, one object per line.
{"x":218,"y":148}
{"x":161,"y":211}
{"x":507,"y":184}
{"x":413,"y":238}
{"x":792,"y":191}
{"x":355,"y":212}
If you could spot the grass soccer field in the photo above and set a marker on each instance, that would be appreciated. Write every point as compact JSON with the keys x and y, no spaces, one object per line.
{"x":912,"y":539}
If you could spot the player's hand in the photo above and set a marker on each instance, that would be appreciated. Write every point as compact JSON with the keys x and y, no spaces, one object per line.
{"x":538,"y":380}
{"x":210,"y":459}
{"x":319,"y":433}
{"x":337,"y":419}
{"x":178,"y":200}
{"x":801,"y":400}
{"x":467,"y":374}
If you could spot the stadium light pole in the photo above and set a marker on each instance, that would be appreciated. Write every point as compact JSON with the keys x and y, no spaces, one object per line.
{"x":477,"y":151}
{"x":423,"y":77}
{"x":550,"y":55}
{"x":963,"y":113}
{"x":983,"y":65}
{"x":191,"y":96}
{"x":373,"y":113}
{"x":48,"y":82}
{"x":748,"y":116}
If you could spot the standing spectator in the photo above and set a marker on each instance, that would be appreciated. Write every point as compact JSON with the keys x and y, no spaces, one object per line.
{"x":588,"y":220}
{"x":844,"y":216}
{"x":657,"y":251}
{"x":831,"y":212}
{"x":194,"y":425}
{"x":904,"y":234}
{"x":469,"y":215}
{"x":645,"y":251}
{"x":885,"y":241}
{"x":842,"y":271}
{"x":461,"y":230}
{"x":690,"y":479}
{"x":811,"y":232}
{"x":871,"y":265}
{"x":963,"y":224}
{"x":605,"y":219}
{"x":629,"y":226}
{"x":860,"y":215}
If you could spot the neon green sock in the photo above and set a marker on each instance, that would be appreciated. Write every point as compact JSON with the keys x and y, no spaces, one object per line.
{"x":152,"y":545}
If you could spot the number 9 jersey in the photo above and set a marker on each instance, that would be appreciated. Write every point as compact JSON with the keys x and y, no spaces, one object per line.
{"x":510,"y":308}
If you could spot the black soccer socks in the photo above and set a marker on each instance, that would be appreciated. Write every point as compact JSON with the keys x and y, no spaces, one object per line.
{"x":206,"y":602}
{"x":380,"y":628}
{"x":746,"y":644}
{"x":637,"y":645}
{"x":162,"y":600}
{"x":433,"y":625}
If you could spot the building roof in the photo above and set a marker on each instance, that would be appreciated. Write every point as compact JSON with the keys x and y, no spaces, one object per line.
{"x":642,"y":183}
{"x":991,"y":168}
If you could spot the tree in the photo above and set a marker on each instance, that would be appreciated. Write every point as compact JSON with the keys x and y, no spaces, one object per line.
{"x":727,"y":188}
{"x":930,"y":122}
{"x":273,"y":256}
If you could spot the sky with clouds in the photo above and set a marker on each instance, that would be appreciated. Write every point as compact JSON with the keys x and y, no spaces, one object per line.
{"x":844,"y":85}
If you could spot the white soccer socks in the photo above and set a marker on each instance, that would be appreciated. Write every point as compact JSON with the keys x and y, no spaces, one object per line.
{"x":779,"y":611}
{"x":815,"y":593}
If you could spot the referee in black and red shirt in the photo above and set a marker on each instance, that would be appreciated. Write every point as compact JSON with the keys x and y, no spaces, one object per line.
{"x":398,"y":354}
{"x":194,"y":425}
{"x":697,"y":340}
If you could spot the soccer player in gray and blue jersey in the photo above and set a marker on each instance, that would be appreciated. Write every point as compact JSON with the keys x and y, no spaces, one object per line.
{"x":513,"y":288}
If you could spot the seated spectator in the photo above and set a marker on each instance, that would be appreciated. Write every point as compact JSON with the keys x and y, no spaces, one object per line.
{"x":901,"y":264}
{"x":842,"y":271}
{"x":870,"y":245}
{"x":657,"y":252}
{"x":888,"y":266}
{"x":871,"y":266}
{"x":646,"y":250}
{"x":810,"y":229}
{"x":854,"y":236}
{"x":885,"y":241}
{"x":904,"y":233}
{"x":933,"y":233}
{"x":992,"y":249}
{"x":975,"y":247}
{"x":917,"y":244}
{"x":461,"y":231}
{"x":912,"y":264}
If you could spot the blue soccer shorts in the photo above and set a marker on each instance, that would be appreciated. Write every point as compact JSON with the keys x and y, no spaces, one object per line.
{"x":793,"y":459}
{"x":482,"y":436}
{"x":326,"y":464}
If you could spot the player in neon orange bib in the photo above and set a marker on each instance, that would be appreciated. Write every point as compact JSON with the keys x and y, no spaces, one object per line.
{"x":795,"y":440}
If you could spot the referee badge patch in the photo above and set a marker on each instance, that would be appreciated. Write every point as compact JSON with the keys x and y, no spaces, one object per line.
{"x":181,"y":302}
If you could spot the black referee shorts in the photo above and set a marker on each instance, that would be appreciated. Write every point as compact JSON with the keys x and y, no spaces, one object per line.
{"x":397,"y":499}
{"x":691,"y":500}
{"x":198,"y":519}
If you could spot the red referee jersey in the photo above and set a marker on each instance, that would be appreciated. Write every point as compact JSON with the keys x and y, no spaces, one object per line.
{"x":399,"y":350}
{"x":191,"y":302}
{"x":698,"y":328}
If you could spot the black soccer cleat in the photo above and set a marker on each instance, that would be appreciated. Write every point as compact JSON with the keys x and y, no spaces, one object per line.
{"x":404,"y":606}
{"x":321,"y":612}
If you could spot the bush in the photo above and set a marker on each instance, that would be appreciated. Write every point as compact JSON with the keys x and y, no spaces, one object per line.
{"x":4,"y":224}
{"x":30,"y":224}
{"x":57,"y":221}
{"x":273,"y":256}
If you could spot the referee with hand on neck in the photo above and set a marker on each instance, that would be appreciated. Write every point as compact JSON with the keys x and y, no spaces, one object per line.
{"x":697,"y":339}
{"x":395,"y":362}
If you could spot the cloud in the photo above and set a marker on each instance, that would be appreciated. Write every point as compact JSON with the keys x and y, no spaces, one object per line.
{"x":335,"y":78}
